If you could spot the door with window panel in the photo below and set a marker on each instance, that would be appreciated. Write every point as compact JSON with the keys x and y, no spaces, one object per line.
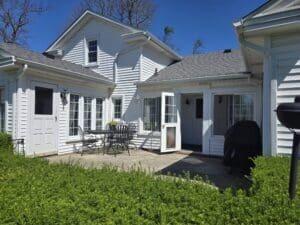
{"x":170,"y":122}
{"x":227,"y":110}
{"x":43,"y":118}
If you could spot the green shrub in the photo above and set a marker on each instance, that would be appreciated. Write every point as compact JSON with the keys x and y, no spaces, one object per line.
{"x":34,"y":192}
{"x":5,"y":142}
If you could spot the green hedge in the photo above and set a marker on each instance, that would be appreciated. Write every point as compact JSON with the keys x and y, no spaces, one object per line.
{"x":5,"y":142}
{"x":34,"y":192}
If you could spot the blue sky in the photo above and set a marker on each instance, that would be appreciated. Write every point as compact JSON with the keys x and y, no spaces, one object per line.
{"x":209,"y":20}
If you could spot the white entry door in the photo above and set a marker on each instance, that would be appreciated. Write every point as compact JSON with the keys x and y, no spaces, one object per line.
{"x":43,"y":126}
{"x":170,"y":122}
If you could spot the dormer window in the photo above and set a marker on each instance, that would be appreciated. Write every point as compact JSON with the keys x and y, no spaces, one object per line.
{"x":92,"y":51}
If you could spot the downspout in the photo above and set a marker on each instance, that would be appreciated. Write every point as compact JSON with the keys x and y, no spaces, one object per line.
{"x":21,"y":73}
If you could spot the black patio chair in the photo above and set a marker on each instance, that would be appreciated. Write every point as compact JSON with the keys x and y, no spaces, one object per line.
{"x":122,"y":137}
{"x":88,"y":144}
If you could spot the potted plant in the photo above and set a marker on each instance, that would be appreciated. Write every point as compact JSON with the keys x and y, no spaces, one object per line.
{"x":112,"y":125}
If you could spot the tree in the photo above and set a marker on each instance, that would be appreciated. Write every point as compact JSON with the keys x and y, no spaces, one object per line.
{"x":197,"y":46}
{"x":15,"y":16}
{"x":135,"y":13}
{"x":167,"y":37}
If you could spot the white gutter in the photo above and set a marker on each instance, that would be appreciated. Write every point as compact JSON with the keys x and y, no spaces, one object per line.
{"x":199,"y":79}
{"x":79,"y":75}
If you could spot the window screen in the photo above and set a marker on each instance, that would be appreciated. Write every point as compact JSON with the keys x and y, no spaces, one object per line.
{"x":43,"y":101}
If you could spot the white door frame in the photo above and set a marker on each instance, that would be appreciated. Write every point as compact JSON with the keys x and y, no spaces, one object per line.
{"x":33,"y":84}
{"x":175,"y":125}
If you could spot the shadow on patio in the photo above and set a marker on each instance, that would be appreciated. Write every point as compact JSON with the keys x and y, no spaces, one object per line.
{"x":210,"y":170}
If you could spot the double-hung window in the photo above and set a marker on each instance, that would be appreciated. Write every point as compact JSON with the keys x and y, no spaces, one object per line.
{"x":74,"y":113}
{"x":117,"y":108}
{"x":92,"y":51}
{"x":87,"y":117}
{"x":152,"y":114}
{"x":99,"y":113}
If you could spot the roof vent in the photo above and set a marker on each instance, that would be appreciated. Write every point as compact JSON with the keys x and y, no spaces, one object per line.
{"x":228,"y":50}
{"x":156,"y":72}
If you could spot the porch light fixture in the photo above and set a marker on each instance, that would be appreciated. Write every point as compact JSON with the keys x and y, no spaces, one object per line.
{"x":187,"y":101}
{"x":289,"y":115}
{"x":63,"y":96}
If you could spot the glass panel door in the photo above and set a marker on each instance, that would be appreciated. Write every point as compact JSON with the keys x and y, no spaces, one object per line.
{"x":170,"y":130}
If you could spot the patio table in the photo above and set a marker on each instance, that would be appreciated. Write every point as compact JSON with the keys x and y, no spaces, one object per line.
{"x":112,"y":136}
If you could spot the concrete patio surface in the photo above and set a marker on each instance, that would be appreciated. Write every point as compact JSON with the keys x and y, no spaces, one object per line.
{"x":174,"y":164}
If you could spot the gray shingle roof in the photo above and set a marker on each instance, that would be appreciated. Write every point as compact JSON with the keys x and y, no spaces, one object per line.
{"x":22,"y":53}
{"x":203,"y":66}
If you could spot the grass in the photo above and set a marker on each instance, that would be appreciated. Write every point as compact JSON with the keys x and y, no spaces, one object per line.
{"x":32,"y":191}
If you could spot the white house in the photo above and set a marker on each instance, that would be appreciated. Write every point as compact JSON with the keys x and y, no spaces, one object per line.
{"x":99,"y":70}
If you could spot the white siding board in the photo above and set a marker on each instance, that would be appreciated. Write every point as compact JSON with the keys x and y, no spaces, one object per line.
{"x":153,"y":59}
{"x":287,"y":69}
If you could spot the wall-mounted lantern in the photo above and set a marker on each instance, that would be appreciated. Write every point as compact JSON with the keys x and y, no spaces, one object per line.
{"x":63,"y":96}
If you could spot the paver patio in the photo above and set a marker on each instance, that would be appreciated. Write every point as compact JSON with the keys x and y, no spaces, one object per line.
{"x":211,"y":169}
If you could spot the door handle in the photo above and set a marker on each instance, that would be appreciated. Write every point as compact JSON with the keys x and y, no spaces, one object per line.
{"x":55,"y":118}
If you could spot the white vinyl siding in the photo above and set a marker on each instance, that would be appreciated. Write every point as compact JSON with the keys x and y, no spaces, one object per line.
{"x":109,"y":43}
{"x":286,"y":70}
{"x":152,"y":60}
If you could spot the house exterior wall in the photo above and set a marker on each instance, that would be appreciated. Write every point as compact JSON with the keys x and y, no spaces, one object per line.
{"x":109,"y":44}
{"x":8,"y":86}
{"x":283,"y":86}
{"x":151,"y":60}
{"x":211,"y":144}
{"x":123,"y":63}
{"x":24,"y":95}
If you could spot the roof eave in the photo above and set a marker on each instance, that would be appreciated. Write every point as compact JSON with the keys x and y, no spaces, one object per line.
{"x":143,"y":35}
{"x":243,"y":75}
{"x":77,"y":21}
{"x":68,"y":72}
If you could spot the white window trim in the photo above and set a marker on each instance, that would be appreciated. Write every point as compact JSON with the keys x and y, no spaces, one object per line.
{"x":73,"y":137}
{"x":81,"y":112}
{"x":113,"y":107}
{"x":87,"y":40}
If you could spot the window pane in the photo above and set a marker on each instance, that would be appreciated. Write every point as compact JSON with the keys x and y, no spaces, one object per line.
{"x":43,"y":101}
{"x":87,"y":116}
{"x":92,"y":51}
{"x":171,"y":137}
{"x":229,"y":109}
{"x":170,"y":110}
{"x":99,"y":110}
{"x":117,"y":108}
{"x":152,"y":114}
{"x":199,"y":108}
{"x":73,"y":121}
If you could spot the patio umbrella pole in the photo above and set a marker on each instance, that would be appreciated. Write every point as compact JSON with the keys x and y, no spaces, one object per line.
{"x":294,"y":166}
